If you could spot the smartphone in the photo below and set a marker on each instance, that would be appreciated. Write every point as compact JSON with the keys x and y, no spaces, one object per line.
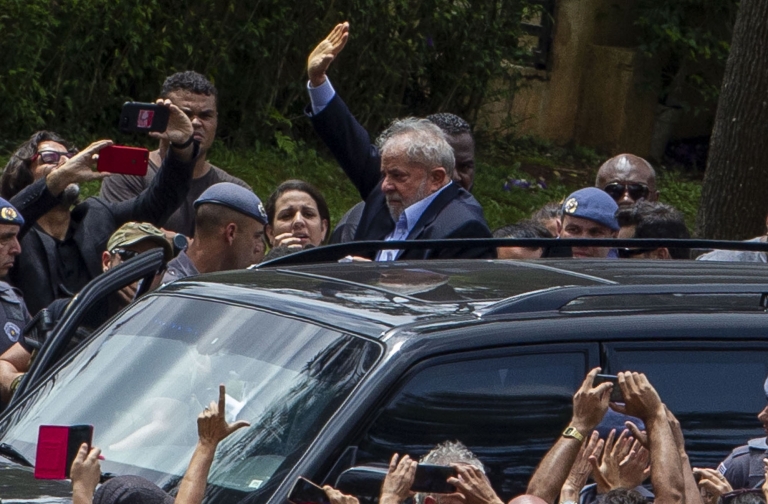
{"x":143,"y":117}
{"x":125,"y":160}
{"x":306,"y":492}
{"x":433,"y":479}
{"x":57,"y":447}
{"x":616,"y":395}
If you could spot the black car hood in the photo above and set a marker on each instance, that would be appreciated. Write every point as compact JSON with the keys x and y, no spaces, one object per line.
{"x":18,"y":484}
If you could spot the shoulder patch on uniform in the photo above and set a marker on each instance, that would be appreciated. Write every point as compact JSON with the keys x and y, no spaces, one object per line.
{"x":12,"y":331}
{"x":721,"y":468}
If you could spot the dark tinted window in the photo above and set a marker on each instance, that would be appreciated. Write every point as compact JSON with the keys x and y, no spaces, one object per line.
{"x":715,"y":390}
{"x":507,"y":410}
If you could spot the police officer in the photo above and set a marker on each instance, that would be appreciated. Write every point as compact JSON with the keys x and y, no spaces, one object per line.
{"x":744,"y":466}
{"x":13,"y":315}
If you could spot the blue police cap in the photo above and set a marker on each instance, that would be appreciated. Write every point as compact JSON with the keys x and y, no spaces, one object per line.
{"x":235,"y":197}
{"x":9,"y":214}
{"x":615,"y":420}
{"x":593,"y":204}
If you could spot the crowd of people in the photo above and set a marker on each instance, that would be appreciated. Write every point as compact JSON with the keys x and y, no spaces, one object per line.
{"x":415,"y":182}
{"x":633,"y":451}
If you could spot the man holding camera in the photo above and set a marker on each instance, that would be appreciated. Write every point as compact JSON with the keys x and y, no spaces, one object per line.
{"x":196,"y":97}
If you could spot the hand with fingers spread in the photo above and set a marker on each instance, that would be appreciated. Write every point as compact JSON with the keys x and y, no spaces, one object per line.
{"x":473,"y":484}
{"x":624,"y":464}
{"x":325,"y":52}
{"x":85,"y":473}
{"x":712,"y":484}
{"x":336,"y":497}
{"x":581,"y":468}
{"x":212,"y":427}
{"x":397,"y":484}
{"x":79,"y":168}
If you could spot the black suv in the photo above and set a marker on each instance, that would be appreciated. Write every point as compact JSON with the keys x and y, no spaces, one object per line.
{"x":337,"y":366}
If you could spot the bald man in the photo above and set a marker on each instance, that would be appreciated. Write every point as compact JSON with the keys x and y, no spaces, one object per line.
{"x":627,"y":179}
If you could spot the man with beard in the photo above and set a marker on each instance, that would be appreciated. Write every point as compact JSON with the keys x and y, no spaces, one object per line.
{"x":63,"y":244}
{"x":413,"y":196}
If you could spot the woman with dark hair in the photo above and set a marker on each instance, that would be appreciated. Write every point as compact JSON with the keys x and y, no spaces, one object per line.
{"x":298,"y":215}
{"x":61,"y":244}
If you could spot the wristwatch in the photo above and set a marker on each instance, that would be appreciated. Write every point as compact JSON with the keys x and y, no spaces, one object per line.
{"x":573,"y":433}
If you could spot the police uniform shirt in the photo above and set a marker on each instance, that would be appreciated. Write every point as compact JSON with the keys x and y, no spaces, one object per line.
{"x":744,"y":466}
{"x":13,"y":317}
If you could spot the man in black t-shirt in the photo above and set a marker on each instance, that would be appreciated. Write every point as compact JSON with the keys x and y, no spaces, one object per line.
{"x":196,"y":96}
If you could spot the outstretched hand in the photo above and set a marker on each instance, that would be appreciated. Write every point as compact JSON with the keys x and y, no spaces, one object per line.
{"x":212,"y":427}
{"x":336,"y":497}
{"x":397,"y":484}
{"x":85,"y":471}
{"x":325,"y":52}
{"x":78,"y":169}
{"x":179,"y":129}
{"x":712,"y":484}
{"x":590,"y":403}
{"x":641,"y":399}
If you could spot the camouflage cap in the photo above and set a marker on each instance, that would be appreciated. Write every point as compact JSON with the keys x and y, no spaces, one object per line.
{"x":132,"y":233}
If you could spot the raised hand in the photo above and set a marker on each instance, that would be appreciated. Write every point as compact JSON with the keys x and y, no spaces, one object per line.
{"x":212,"y":427}
{"x":179,"y":129}
{"x":78,"y":169}
{"x":581,"y":468}
{"x":473,"y":484}
{"x":712,"y":484}
{"x":397,"y":484}
{"x":85,"y":473}
{"x":325,"y":52}
{"x":641,"y":399}
{"x":590,"y":403}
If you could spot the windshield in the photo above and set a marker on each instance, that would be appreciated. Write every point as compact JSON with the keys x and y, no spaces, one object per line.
{"x":144,"y":379}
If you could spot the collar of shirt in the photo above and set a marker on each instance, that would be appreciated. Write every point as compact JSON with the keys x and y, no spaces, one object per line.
{"x":406,"y":223}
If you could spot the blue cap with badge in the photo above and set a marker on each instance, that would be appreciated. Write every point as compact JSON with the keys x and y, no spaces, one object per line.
{"x":9,"y":214}
{"x":235,"y":197}
{"x":593,"y":204}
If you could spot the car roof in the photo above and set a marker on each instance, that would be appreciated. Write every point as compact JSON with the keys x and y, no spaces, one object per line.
{"x":371,"y":298}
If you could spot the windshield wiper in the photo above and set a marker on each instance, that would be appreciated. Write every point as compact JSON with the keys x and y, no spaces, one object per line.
{"x":13,"y":454}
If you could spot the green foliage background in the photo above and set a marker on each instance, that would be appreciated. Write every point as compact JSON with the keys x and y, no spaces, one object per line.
{"x":69,"y":65}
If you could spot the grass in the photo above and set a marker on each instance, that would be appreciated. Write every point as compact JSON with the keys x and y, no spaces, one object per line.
{"x":561,"y":170}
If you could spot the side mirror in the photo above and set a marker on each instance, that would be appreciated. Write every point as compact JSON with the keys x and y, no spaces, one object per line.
{"x":364,"y":482}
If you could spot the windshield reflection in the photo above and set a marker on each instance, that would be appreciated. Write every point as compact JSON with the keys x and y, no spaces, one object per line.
{"x":143,"y":381}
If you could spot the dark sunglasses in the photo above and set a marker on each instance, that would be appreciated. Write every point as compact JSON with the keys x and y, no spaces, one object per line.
{"x":635,"y":191}
{"x":52,"y":157}
{"x":124,"y":254}
{"x":626,"y":253}
{"x":727,"y":498}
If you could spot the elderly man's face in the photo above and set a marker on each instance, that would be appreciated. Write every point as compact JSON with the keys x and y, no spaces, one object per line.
{"x":627,"y":179}
{"x":578,"y":227}
{"x":404,"y":182}
{"x":50,"y":155}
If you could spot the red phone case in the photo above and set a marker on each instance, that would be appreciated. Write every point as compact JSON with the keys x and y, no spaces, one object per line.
{"x":57,"y":447}
{"x":123,"y":160}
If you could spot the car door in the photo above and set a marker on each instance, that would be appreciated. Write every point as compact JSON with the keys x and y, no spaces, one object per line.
{"x":715,"y":388}
{"x":506,"y":405}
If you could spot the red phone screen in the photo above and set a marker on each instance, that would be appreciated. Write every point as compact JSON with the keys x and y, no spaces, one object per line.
{"x":57,"y":447}
{"x":124,"y":160}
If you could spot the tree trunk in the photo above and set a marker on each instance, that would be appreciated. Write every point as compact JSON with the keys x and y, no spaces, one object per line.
{"x":734,"y":198}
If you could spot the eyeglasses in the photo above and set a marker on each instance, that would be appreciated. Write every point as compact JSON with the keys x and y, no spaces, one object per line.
{"x":626,"y":253}
{"x":124,"y":254}
{"x":635,"y":191}
{"x":729,"y":497}
{"x":52,"y":157}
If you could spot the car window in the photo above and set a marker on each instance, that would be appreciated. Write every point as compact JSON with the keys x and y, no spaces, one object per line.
{"x":506,"y":409}
{"x":144,"y":379}
{"x":714,"y":389}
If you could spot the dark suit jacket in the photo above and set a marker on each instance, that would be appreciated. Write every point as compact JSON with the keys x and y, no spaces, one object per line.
{"x":453,"y":214}
{"x":92,"y":222}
